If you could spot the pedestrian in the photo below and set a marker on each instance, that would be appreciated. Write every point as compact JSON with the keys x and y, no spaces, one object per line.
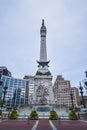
{"x":28,"y":119}
{"x":59,"y":120}
{"x":78,"y":115}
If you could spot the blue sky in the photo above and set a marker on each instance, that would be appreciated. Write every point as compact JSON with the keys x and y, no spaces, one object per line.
{"x":66,"y":22}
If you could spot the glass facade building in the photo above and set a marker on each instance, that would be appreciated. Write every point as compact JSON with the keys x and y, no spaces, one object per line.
{"x":16,"y":91}
{"x":29,"y":88}
{"x":4,"y":71}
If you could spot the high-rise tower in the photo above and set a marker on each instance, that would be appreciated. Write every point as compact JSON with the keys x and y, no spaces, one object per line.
{"x":43,"y":90}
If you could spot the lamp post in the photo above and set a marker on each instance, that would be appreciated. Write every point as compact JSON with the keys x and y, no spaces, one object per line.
{"x":14,"y":96}
{"x":71,"y":95}
{"x":85,"y":81}
{"x":81,"y":91}
{"x":0,"y":92}
{"x":4,"y":93}
{"x":1,"y":82}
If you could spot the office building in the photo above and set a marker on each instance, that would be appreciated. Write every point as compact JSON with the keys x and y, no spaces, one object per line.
{"x":15,"y":92}
{"x":62,"y":93}
{"x":29,"y":89}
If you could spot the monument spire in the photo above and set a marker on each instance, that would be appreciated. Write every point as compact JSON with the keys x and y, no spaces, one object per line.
{"x":43,"y":51}
{"x":43,"y":78}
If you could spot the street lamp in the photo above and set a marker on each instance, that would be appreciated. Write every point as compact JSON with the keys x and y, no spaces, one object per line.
{"x":85,"y":81}
{"x":1,"y":92}
{"x":1,"y":82}
{"x":14,"y":96}
{"x":71,"y":95}
{"x":4,"y":93}
{"x":81,"y":91}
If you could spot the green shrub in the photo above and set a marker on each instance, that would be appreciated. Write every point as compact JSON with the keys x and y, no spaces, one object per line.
{"x":13,"y":115}
{"x":53,"y":115}
{"x":73,"y":115}
{"x":70,"y":108}
{"x":33,"y":115}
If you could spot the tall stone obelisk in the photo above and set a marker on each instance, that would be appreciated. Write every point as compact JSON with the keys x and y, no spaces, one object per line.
{"x":43,"y":90}
{"x":43,"y":51}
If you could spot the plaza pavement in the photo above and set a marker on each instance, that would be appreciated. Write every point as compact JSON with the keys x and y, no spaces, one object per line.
{"x":43,"y":124}
{"x":16,"y":124}
{"x":70,"y":124}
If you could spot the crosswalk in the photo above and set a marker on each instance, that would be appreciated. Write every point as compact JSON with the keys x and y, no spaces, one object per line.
{"x":35,"y":125}
{"x":52,"y":125}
